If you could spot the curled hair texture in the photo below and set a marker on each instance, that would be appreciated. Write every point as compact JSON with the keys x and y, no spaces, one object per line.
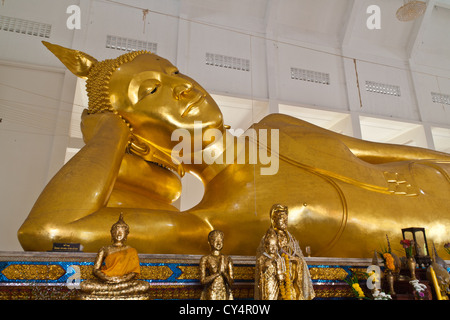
{"x":97,"y":83}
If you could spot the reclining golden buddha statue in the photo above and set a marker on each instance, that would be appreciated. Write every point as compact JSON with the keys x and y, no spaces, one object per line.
{"x":344,"y":194}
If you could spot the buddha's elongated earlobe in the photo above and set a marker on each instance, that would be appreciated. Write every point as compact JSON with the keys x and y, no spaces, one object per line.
{"x":78,"y":62}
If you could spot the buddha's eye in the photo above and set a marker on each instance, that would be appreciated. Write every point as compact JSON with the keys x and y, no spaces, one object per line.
{"x":148,"y":87}
{"x":172,"y":71}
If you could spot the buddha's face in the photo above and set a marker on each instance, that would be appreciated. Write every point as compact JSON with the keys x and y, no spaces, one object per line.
{"x":281,"y":220}
{"x":156,"y":100}
{"x":271,"y":246}
{"x":216,"y":242}
{"x":119,"y":234}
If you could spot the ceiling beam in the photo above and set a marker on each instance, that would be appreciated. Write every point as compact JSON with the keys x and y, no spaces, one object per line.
{"x":443,"y":4}
{"x":354,"y":9}
{"x":420,"y":26}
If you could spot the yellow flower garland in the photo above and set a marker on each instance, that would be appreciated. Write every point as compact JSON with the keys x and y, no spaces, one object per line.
{"x":286,"y":287}
{"x":389,"y":261}
{"x":358,"y":290}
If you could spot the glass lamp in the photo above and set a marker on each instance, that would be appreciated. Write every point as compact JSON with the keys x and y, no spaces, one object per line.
{"x":421,"y":252}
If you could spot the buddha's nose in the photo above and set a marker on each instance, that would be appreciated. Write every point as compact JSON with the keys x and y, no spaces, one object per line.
{"x":182,"y":89}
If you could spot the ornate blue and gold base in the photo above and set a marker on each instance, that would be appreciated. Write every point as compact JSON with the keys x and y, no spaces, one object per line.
{"x":50,"y":275}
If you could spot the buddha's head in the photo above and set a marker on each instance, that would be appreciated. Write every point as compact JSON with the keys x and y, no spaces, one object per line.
{"x":215,"y":239}
{"x":271,"y":244}
{"x":119,"y":231}
{"x":279,"y":216}
{"x":150,"y":94}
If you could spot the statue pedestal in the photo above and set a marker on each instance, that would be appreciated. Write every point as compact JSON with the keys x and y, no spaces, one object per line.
{"x":56,"y":275}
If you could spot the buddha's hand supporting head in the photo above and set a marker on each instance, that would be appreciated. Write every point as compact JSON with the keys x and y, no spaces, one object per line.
{"x":150,"y":94}
{"x":93,"y":124}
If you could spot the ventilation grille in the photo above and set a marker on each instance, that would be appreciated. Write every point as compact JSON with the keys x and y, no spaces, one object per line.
{"x":28,"y":27}
{"x":310,"y":76}
{"x":383,"y":88}
{"x":440,"y":98}
{"x":126,"y":44}
{"x":218,"y":60}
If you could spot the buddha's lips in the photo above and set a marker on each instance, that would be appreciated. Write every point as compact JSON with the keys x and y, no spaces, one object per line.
{"x":197,"y":100}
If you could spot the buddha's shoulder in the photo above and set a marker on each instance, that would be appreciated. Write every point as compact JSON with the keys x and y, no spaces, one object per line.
{"x":112,"y":249}
{"x":277,"y":119}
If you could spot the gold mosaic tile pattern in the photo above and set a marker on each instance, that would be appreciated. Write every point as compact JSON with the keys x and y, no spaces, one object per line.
{"x":33,"y":272}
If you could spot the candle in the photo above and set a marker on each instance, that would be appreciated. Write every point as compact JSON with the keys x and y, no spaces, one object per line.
{"x":435,"y":283}
{"x":308,"y":251}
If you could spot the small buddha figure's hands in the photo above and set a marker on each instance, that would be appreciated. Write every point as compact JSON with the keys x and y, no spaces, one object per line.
{"x":121,"y":279}
{"x":222,"y":266}
{"x":115,"y":279}
{"x":281,"y":276}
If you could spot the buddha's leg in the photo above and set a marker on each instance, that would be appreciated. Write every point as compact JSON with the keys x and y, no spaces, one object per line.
{"x":90,"y":286}
{"x":151,"y":231}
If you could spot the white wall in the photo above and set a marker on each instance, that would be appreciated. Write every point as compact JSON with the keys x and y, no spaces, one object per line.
{"x":29,"y":103}
{"x":40,"y":102}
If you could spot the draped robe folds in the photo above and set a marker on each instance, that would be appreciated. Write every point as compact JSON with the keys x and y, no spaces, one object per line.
{"x":217,"y":289}
{"x":265,"y":288}
{"x":267,"y":281}
{"x":121,"y":263}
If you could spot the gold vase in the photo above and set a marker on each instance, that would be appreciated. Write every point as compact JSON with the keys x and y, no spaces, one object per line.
{"x":390,"y":280}
{"x":411,"y":263}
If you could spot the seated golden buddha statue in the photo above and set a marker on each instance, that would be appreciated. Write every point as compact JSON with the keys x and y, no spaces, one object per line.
{"x":343,"y":194}
{"x":116,"y":267}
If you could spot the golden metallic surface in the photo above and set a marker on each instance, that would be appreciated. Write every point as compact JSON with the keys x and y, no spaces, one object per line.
{"x":281,"y":272}
{"x":154,"y":268}
{"x":335,"y":292}
{"x":33,"y":272}
{"x":328,"y":273}
{"x":344,"y":194}
{"x":116,"y":279}
{"x":216,"y":271}
{"x":155,"y":272}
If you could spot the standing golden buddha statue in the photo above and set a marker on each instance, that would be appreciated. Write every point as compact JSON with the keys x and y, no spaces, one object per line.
{"x":288,"y":277}
{"x":116,"y":267}
{"x":216,"y":270}
{"x":270,"y":271}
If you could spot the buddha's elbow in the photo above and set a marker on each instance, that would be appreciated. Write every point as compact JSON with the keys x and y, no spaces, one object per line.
{"x":35,"y":237}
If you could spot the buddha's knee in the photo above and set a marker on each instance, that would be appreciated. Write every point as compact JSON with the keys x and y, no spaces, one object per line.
{"x":90,"y":286}
{"x":142,"y":286}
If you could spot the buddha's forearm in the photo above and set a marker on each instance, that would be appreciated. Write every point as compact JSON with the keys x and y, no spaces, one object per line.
{"x":86,"y":181}
{"x":100,"y":275}
{"x":375,"y":153}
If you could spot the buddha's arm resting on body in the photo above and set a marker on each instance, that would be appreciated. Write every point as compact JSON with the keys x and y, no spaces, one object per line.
{"x":228,"y":272}
{"x":371,"y":152}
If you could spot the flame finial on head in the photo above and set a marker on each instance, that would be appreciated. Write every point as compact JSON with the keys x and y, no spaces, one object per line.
{"x":120,"y":223}
{"x":97,"y":73}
